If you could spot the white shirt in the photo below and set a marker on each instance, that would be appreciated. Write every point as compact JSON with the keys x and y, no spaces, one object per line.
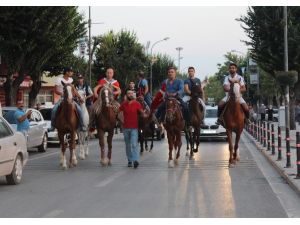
{"x":59,"y":84}
{"x":235,"y":77}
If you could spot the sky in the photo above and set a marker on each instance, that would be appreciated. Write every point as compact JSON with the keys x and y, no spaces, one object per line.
{"x":205,"y":33}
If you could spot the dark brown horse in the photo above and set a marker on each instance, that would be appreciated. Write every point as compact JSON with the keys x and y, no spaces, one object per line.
{"x":233,"y":117}
{"x":174,"y":124}
{"x":146,"y":126}
{"x":67,"y":122}
{"x":105,"y":109}
{"x":196,"y":118}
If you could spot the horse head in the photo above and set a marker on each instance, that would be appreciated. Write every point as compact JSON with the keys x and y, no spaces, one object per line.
{"x":171,"y":108}
{"x":235,"y":92}
{"x":196,"y":91}
{"x":68,"y":90}
{"x":106,"y":95}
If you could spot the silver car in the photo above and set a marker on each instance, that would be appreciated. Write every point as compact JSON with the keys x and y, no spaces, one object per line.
{"x":13,"y":153}
{"x":209,"y":130}
{"x":52,"y":135}
{"x":37,"y":133}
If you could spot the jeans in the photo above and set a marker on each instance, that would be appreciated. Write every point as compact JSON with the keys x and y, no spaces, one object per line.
{"x":54,"y":111}
{"x":131,"y":142}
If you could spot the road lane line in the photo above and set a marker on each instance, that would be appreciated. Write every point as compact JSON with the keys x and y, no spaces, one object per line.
{"x":111,"y":178}
{"x":53,"y":213}
{"x":43,"y":156}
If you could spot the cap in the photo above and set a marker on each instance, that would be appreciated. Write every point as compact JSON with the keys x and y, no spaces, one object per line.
{"x":68,"y":69}
{"x":80,"y":76}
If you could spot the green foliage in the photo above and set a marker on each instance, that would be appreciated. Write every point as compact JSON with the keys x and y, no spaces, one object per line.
{"x":121,"y":51}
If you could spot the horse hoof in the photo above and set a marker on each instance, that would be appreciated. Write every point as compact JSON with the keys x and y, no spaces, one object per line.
{"x":192,"y":157}
{"x":231,"y":165}
{"x":176,"y":161}
{"x":64,"y":167}
{"x":171,"y":164}
{"x":109,"y":163}
{"x":238,"y":158}
{"x":195,"y":150}
{"x":81,"y":157}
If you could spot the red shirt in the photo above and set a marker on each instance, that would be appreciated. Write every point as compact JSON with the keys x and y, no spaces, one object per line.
{"x":130,"y":112}
{"x":113,"y":82}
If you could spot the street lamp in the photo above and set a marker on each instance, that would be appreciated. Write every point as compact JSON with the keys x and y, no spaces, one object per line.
{"x":179,"y":49}
{"x":153,"y":60}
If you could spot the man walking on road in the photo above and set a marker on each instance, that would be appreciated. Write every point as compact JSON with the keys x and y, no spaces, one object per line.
{"x":131,"y":108}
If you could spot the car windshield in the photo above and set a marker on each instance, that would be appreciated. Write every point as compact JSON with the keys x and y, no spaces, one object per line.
{"x":211,"y":113}
{"x":46,"y":113}
{"x":9,"y":115}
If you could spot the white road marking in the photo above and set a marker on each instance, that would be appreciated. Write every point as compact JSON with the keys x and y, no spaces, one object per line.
{"x":43,"y":156}
{"x":53,"y":213}
{"x":111,"y":179}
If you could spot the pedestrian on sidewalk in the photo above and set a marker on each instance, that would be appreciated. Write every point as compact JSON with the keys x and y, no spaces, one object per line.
{"x":22,"y":119}
{"x":262,"y":112}
{"x":270,"y":113}
{"x":297,"y":112}
{"x":131,"y":108}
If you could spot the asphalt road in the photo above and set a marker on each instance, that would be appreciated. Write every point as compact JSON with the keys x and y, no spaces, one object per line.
{"x":204,"y":187}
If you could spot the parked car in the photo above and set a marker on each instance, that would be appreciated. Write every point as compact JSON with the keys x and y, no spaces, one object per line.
{"x":52,"y":135}
{"x":37,"y":133}
{"x":209,"y":130}
{"x":13,"y":153}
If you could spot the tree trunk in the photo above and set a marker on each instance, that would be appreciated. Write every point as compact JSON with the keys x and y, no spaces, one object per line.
{"x":35,"y":88}
{"x":11,"y":89}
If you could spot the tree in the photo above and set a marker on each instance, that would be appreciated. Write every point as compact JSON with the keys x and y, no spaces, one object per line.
{"x":35,"y":39}
{"x":123,"y":53}
{"x":264,"y":27}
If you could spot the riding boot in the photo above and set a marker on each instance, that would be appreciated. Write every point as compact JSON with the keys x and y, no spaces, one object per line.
{"x":247,"y":114}
{"x":219,"y":121}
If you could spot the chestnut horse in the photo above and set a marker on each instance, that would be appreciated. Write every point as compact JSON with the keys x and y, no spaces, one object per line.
{"x":196,"y":118}
{"x":233,"y":117}
{"x":174,"y":124}
{"x":146,"y":126}
{"x":106,"y":116}
{"x":67,"y":122}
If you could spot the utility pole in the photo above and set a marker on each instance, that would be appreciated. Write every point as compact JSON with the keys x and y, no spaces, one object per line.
{"x":90,"y":52}
{"x":286,"y":68}
{"x":179,"y":49}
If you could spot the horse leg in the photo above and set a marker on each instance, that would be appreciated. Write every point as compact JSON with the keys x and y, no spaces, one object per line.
{"x":81,"y":146}
{"x":152,"y":138}
{"x":101,"y":143}
{"x":73,"y":159}
{"x":141,"y":138}
{"x":63,"y":161}
{"x":236,"y":156}
{"x":109,"y":144}
{"x":171,"y":145}
{"x":188,"y":140}
{"x":146,"y":144}
{"x":178,"y":144}
{"x":86,"y":144}
{"x":229,"y":135}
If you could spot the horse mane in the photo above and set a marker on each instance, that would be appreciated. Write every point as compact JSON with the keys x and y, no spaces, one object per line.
{"x":98,"y":103}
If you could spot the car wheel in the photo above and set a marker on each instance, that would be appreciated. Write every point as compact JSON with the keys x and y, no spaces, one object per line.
{"x":16,"y":174}
{"x":44,"y":145}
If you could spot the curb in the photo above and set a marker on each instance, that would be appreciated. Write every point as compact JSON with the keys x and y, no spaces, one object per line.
{"x":279,"y":169}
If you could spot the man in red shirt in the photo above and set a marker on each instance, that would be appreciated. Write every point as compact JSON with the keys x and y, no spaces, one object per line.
{"x":131,"y":108}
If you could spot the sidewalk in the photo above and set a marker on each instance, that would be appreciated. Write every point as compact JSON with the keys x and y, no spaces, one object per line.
{"x":289,"y":174}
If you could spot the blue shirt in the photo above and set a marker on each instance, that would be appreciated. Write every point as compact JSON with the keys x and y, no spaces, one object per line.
{"x":21,"y":126}
{"x":189,"y":82}
{"x":175,"y":87}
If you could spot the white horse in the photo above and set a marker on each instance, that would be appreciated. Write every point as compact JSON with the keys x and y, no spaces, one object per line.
{"x":83,"y":137}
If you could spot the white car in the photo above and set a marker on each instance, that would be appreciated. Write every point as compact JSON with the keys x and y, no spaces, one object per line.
{"x":13,"y":153}
{"x":209,"y":130}
{"x":37,"y":133}
{"x":52,"y":135}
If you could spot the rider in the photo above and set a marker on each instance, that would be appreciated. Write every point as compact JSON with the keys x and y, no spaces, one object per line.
{"x":171,"y":87}
{"x":231,"y":78}
{"x":67,"y":79}
{"x":143,"y":88}
{"x":85,"y":88}
{"x":192,"y":80}
{"x":108,"y":80}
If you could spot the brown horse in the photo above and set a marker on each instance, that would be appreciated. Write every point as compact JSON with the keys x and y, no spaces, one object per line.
{"x":174,"y":124}
{"x":196,"y":118}
{"x":146,"y":126}
{"x":233,"y":117}
{"x":105,"y":109}
{"x":67,"y":122}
